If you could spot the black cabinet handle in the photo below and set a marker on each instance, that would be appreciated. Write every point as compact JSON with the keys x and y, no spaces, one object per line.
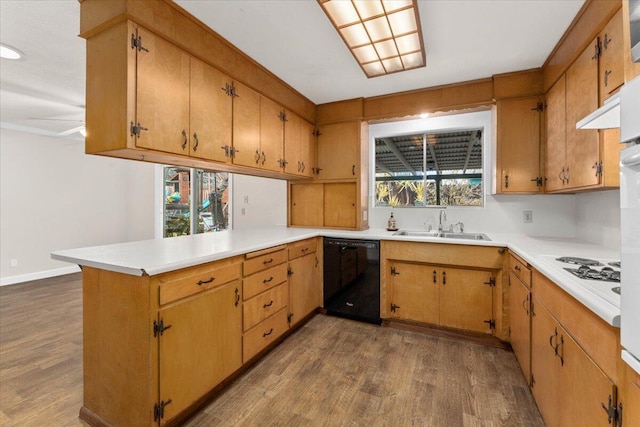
{"x":268,"y":305}
{"x":353,"y":170}
{"x":267,"y":261}
{"x":435,"y":279}
{"x":202,"y":282}
{"x":265,"y":281}
{"x":444,"y":277}
{"x":185,"y":139}
{"x":269,"y":332}
{"x":517,"y":268}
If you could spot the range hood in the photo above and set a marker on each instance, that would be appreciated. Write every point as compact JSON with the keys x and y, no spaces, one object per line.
{"x":605,"y":117}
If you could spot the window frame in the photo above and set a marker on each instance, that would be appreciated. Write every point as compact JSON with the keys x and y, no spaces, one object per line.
{"x":445,"y":123}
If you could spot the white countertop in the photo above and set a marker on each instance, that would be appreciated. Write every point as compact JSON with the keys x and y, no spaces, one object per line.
{"x":158,"y":256}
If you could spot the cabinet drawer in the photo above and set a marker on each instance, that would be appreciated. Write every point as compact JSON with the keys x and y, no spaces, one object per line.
{"x":264,"y":305}
{"x":520,"y":270}
{"x":263,"y":334}
{"x":305,"y":247}
{"x":263,"y":280}
{"x":196,"y":280}
{"x":253,"y":264}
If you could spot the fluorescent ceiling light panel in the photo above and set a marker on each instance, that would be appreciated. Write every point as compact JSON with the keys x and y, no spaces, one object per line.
{"x":10,"y":52}
{"x":384,"y":36}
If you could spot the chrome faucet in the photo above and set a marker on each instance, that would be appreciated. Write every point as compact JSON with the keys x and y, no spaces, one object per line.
{"x":443,"y":216}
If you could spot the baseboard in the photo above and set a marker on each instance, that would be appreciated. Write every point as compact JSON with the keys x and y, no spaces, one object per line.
{"x":12,"y":280}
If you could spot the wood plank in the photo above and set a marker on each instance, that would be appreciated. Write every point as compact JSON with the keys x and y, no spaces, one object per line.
{"x":518,"y":84}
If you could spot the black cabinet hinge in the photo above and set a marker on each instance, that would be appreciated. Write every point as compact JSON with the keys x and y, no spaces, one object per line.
{"x":533,"y":313}
{"x":598,"y":50}
{"x":159,"y":328}
{"x":136,"y":43}
{"x":532,"y":381}
{"x":135,"y":129}
{"x":289,"y":317}
{"x":539,"y":107}
{"x":316,"y":132}
{"x":158,"y":409}
{"x":538,"y":181}
{"x":614,"y":413}
{"x":289,"y":272}
{"x":491,"y":322}
{"x":491,"y":282}
{"x":394,"y":272}
{"x":316,"y":171}
{"x":394,"y":307}
{"x":283,"y":116}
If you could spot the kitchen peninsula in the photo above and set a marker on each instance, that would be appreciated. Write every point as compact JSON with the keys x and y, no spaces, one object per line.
{"x":132,"y":290}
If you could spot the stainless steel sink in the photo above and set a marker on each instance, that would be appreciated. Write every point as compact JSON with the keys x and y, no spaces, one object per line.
{"x":444,"y":234}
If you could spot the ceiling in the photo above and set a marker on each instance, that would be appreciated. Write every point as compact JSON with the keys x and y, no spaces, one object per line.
{"x":464,"y":40}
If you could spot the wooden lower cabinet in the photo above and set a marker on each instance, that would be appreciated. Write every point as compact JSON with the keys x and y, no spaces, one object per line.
{"x":201,"y":347}
{"x":304,"y":287}
{"x":520,"y":323}
{"x":455,"y":286}
{"x":568,"y":386}
{"x":264,"y":333}
{"x":452,"y":297}
{"x":629,"y":396}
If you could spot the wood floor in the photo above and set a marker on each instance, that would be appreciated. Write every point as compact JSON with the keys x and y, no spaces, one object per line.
{"x":332,"y":372}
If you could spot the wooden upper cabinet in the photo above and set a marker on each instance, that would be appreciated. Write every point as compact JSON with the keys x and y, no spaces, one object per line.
{"x":270,"y":154}
{"x":340,"y":205}
{"x":519,"y":145}
{"x":582,"y":99}
{"x":162,"y":109}
{"x":556,"y":143}
{"x":299,"y":146}
{"x":246,"y":126}
{"x":210,"y":112}
{"x":611,"y":57}
{"x":338,"y":150}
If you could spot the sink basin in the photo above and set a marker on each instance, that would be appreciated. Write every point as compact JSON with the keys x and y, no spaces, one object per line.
{"x":444,"y":234}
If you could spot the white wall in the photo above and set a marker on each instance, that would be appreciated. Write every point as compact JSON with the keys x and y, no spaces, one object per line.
{"x":53,"y":196}
{"x":266,"y":203}
{"x":598,"y":217}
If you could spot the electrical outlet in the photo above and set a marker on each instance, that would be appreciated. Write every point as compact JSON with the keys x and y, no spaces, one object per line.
{"x":14,"y":262}
{"x":243,"y":212}
{"x":246,"y":200}
{"x":527,"y":216}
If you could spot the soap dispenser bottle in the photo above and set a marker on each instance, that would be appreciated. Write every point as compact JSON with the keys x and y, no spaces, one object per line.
{"x":391,"y":224}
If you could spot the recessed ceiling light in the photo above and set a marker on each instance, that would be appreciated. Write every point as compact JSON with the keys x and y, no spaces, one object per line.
{"x":10,"y":52}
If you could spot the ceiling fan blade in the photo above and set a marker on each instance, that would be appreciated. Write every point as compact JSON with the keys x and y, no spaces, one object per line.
{"x":71,"y":131}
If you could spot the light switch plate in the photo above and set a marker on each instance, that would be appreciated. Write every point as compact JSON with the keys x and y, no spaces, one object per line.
{"x":527,"y":216}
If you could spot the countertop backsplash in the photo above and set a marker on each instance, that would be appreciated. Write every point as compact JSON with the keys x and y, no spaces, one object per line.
{"x":553,"y":215}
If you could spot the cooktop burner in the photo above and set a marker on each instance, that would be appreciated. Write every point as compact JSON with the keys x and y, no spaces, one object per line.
{"x":614,"y":264}
{"x":580,"y":261}
{"x":606,"y":274}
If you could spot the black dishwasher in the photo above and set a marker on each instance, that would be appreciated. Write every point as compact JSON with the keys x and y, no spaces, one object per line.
{"x":352,"y":279}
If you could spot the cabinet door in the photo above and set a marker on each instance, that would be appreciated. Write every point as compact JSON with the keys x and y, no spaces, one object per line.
{"x":611,"y":57}
{"x":556,"y":136}
{"x":340,"y":205}
{"x":520,"y":321}
{"x":210,"y":111}
{"x":202,"y":347}
{"x":271,"y":135}
{"x":307,"y":148}
{"x":582,"y":99}
{"x":338,"y":149}
{"x":246,"y":125}
{"x":584,"y":387}
{"x":466,"y":299}
{"x":162,"y":95}
{"x":519,"y":145}
{"x":292,"y":146}
{"x":304,"y":288}
{"x":306,"y":201}
{"x":545,"y":365}
{"x":415,"y":292}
